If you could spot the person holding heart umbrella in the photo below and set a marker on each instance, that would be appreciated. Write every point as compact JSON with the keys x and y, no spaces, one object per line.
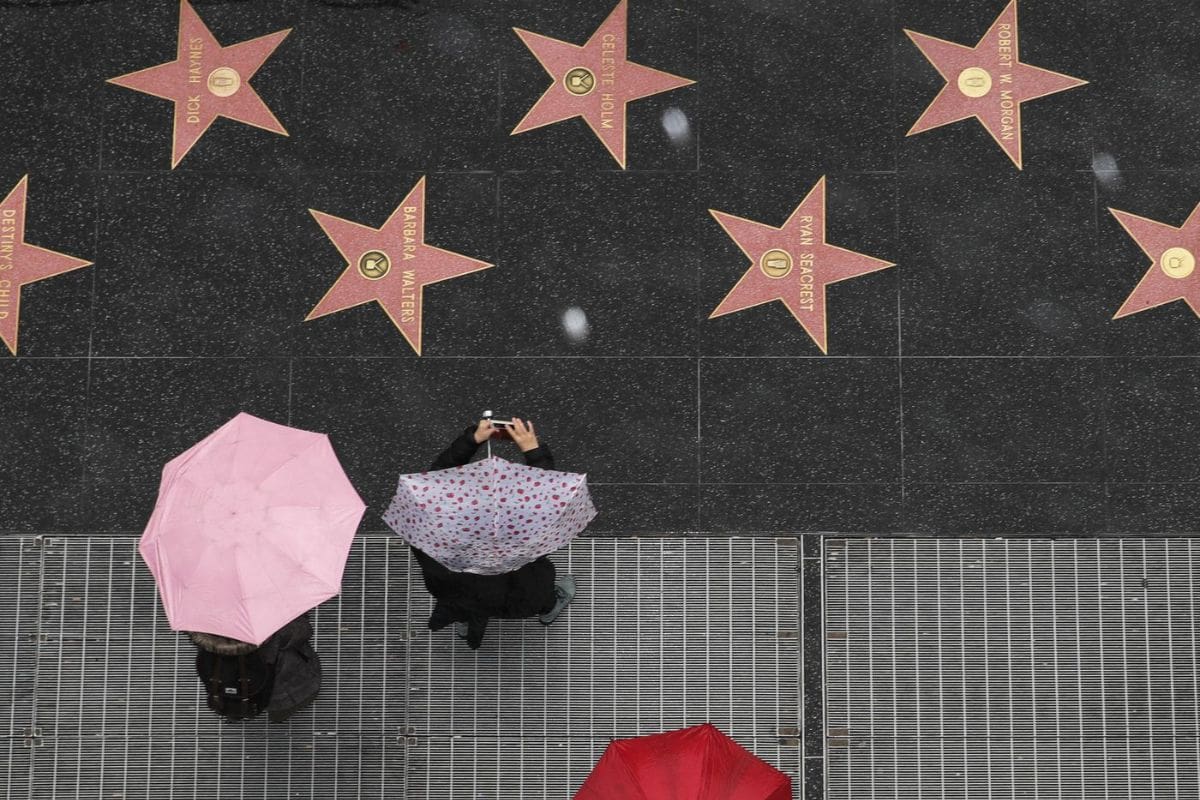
{"x":481,"y":531}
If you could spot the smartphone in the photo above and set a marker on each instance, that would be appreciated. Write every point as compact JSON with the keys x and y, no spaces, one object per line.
{"x":502,"y":423}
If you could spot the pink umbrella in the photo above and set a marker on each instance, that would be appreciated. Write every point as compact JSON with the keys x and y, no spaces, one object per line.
{"x":491,"y":516}
{"x":251,"y":529}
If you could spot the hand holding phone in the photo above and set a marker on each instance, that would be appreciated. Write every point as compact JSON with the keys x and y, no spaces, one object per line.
{"x":484,"y":431}
{"x":515,"y":429}
{"x":521,"y":432}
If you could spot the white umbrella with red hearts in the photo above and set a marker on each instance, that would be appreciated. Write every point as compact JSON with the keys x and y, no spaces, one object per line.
{"x":491,"y":516}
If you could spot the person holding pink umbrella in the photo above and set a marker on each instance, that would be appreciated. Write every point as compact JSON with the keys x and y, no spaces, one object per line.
{"x":251,"y":530}
{"x":480,"y":531}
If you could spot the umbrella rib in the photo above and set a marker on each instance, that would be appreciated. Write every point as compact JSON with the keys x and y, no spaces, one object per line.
{"x":300,"y":565}
{"x":287,"y":461}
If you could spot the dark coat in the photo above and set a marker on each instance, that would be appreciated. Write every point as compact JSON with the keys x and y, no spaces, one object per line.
{"x":290,"y":656}
{"x":473,"y":599}
{"x":297,"y":668}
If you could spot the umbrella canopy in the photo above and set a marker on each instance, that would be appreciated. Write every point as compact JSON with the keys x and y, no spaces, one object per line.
{"x":251,"y":529}
{"x":697,"y":763}
{"x":491,"y":516}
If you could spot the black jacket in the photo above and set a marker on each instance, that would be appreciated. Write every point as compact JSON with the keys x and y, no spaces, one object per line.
{"x":297,"y":668}
{"x":470,"y":598}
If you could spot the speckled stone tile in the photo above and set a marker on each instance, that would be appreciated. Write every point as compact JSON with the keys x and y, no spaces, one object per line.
{"x":598,"y":416}
{"x":1056,"y":129}
{"x":42,"y":403}
{"x":1010,"y":420}
{"x":1153,"y":430}
{"x":60,"y":215}
{"x":137,"y":127}
{"x":200,"y":265}
{"x":461,"y":317}
{"x":67,"y":76}
{"x":775,"y":87}
{"x":791,"y":508}
{"x":144,"y":412}
{"x":860,"y":216}
{"x":1172,"y":329}
{"x":813,"y":624}
{"x":662,"y":131}
{"x":390,"y":88}
{"x":592,"y":264}
{"x":814,"y":778}
{"x":1001,"y":263}
{"x":1154,"y":508}
{"x":982,"y":509}
{"x":1144,"y":109}
{"x":799,"y":420}
{"x":667,"y":509}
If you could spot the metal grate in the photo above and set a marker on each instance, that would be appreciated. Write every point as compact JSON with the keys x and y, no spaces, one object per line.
{"x":534,"y":768}
{"x":121,"y":713}
{"x":663,"y":633}
{"x":20,"y":577}
{"x":102,"y":701}
{"x":1003,"y":669}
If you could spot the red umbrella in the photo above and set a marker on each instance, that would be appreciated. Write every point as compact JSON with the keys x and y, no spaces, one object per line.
{"x":696,"y":763}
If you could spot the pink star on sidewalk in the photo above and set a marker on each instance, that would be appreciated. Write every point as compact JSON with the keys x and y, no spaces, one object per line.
{"x":792,"y":264}
{"x":206,"y":81}
{"x":391,"y":265}
{"x":987,"y":82}
{"x":22,"y":263}
{"x":594,"y":81}
{"x":1172,"y":274}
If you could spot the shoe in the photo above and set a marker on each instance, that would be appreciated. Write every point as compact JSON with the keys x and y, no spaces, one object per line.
{"x":460,"y":630}
{"x":564,"y":590}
